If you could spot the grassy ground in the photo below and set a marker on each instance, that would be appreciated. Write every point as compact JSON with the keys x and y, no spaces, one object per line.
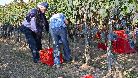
{"x":16,"y":62}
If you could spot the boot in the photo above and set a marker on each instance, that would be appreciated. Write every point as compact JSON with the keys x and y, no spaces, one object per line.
{"x":35,"y":56}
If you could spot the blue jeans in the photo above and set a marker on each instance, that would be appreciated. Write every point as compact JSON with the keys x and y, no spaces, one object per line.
{"x":60,"y":33}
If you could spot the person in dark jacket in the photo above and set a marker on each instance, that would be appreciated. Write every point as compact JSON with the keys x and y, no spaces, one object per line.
{"x":32,"y":27}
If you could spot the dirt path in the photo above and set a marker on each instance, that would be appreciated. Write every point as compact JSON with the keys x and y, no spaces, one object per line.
{"x":17,"y":63}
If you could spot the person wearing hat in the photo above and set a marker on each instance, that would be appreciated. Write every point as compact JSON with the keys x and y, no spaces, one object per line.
{"x":32,"y":27}
{"x":58,"y":31}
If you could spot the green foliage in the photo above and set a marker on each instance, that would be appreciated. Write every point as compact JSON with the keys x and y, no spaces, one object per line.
{"x":15,"y":11}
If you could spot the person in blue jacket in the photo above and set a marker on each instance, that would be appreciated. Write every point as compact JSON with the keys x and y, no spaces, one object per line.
{"x":32,"y":27}
{"x":58,"y":31}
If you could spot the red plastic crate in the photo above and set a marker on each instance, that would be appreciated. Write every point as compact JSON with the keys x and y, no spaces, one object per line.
{"x":46,"y":56}
{"x":121,"y":45}
{"x":102,"y":46}
{"x":87,"y":76}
